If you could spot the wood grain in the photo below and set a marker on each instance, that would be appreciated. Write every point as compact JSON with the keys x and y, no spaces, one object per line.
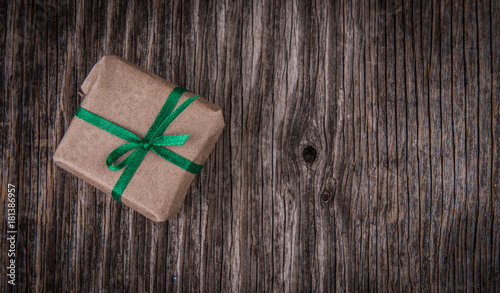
{"x":361,"y":150}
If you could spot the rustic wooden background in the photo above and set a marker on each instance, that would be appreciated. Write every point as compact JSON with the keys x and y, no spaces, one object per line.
{"x":361,"y":150}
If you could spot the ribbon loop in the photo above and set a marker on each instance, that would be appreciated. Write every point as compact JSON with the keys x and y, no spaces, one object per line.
{"x":154,"y":140}
{"x":118,"y":153}
{"x":170,"y":140}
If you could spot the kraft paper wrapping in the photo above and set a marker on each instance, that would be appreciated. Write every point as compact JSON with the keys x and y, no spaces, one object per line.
{"x":132,"y":97}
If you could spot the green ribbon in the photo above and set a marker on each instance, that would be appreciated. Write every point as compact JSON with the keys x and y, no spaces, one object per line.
{"x":154,"y":140}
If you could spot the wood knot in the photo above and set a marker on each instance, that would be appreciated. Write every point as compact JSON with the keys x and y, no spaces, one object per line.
{"x":325,"y":196}
{"x":309,"y":154}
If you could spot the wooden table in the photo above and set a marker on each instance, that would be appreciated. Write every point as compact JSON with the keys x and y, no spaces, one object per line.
{"x":361,"y":148}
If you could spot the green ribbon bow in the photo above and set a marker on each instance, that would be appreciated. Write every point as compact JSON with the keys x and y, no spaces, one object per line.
{"x":154,"y":140}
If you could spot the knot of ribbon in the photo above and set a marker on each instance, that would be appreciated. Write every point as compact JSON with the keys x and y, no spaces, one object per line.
{"x":154,"y":141}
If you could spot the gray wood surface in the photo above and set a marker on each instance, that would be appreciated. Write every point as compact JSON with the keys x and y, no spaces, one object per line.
{"x":361,"y":148}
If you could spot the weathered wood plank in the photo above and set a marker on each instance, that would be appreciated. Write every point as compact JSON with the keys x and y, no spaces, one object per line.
{"x":494,"y":280}
{"x":382,"y":192}
{"x":372,"y":128}
{"x":471,"y":143}
{"x":436,"y":176}
{"x":392,"y":216}
{"x":401,"y":141}
{"x":6,"y":115}
{"x":484,"y":243}
{"x":422,"y":19}
{"x":458,"y":80}
{"x":445,"y":257}
{"x":412,"y":148}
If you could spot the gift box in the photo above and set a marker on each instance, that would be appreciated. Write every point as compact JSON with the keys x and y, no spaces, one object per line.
{"x":139,"y":138}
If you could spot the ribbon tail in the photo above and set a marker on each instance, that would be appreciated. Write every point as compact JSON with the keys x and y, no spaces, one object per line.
{"x":171,"y":117}
{"x":165,"y":111}
{"x":177,"y":160}
{"x":134,"y":162}
{"x":179,"y":139}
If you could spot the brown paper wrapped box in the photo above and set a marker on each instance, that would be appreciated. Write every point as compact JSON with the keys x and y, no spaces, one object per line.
{"x":132,"y":97}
